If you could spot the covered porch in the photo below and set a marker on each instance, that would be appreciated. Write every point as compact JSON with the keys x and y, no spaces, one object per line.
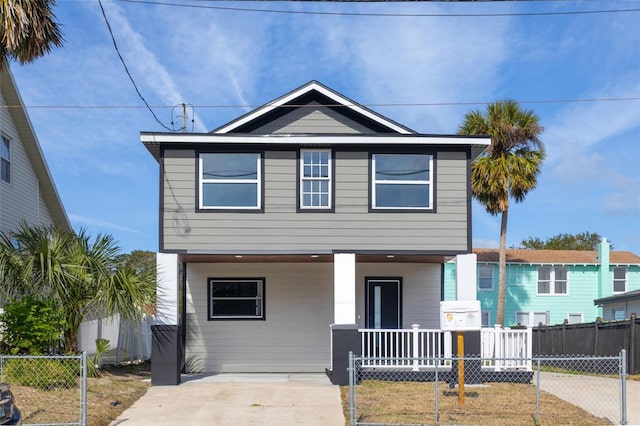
{"x":306,"y":299}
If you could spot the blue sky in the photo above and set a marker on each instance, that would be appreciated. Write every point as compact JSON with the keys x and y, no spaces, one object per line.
{"x":425,"y":72}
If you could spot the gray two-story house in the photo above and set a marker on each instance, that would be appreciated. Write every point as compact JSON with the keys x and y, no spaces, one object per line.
{"x":308,"y":213}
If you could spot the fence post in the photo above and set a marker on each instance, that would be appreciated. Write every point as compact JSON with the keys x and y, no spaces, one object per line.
{"x":83,"y":415}
{"x":497,"y":342}
{"x":632,"y":345}
{"x":436,"y":388}
{"x":538,"y":392}
{"x":623,"y":387}
{"x":415,"y":350}
{"x":352,"y":392}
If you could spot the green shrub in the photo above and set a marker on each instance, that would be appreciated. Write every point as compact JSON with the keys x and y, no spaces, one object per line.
{"x":41,"y":373}
{"x":31,"y":326}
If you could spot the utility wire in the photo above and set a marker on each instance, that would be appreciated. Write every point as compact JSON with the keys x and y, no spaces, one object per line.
{"x":369,"y":105}
{"x":135,"y":86}
{"x":408,"y":15}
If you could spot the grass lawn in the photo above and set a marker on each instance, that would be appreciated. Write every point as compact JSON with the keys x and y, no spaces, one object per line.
{"x":490,"y":404}
{"x":108,"y":396}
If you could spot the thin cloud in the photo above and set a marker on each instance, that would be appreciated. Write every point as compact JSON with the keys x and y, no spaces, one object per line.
{"x":98,"y":223}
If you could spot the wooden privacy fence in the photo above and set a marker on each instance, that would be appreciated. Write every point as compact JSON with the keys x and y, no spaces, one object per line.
{"x":592,"y":339}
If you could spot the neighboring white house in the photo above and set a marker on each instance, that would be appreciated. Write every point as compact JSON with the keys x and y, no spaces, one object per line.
{"x":27,"y":191}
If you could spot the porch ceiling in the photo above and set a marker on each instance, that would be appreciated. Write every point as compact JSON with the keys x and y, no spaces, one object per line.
{"x":309,"y":258}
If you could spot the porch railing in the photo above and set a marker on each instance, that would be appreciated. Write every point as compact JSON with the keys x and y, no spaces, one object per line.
{"x":413,"y":348}
{"x":506,"y":349}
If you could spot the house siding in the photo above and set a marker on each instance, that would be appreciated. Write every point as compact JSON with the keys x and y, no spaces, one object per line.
{"x":294,"y":337}
{"x":21,"y":199}
{"x":312,"y":119}
{"x":582,"y":291}
{"x":281,"y":228}
{"x":298,"y":310}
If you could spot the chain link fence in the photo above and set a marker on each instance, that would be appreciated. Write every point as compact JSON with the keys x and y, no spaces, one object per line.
{"x":48,"y":389}
{"x":472,"y":390}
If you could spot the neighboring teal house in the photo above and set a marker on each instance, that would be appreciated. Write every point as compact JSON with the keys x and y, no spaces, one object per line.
{"x":551,"y":286}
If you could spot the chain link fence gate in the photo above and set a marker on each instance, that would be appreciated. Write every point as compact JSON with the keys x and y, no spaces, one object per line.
{"x":48,"y":389}
{"x":550,"y":391}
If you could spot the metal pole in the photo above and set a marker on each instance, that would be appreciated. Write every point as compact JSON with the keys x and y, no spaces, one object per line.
{"x":83,"y":361}
{"x":623,"y":387}
{"x":538,"y":393}
{"x":352,"y":392}
{"x":436,"y":379}
{"x":460,"y":369}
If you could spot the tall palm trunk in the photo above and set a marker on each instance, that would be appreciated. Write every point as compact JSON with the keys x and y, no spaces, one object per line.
{"x":502,"y":266}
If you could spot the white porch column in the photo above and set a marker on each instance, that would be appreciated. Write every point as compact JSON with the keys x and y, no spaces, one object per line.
{"x":344,"y":288}
{"x":466,"y":276}
{"x":167,"y":288}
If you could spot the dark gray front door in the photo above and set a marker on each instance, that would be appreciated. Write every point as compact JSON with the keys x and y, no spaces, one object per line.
{"x":383,"y":304}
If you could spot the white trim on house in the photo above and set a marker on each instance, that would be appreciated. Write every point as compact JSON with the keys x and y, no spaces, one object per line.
{"x":344,"y":288}
{"x":313,"y":85}
{"x":167,"y":288}
{"x":318,"y":180}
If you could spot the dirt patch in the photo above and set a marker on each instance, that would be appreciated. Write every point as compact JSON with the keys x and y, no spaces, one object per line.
{"x":107,"y":397}
{"x":490,"y":404}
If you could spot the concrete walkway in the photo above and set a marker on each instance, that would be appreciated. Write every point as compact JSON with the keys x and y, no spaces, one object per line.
{"x":239,"y":399}
{"x":597,"y":395}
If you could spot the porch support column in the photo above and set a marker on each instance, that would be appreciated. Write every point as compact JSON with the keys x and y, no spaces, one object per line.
{"x":344,"y":288}
{"x":344,"y":332}
{"x":466,"y":276}
{"x":466,"y":289}
{"x":166,"y":339}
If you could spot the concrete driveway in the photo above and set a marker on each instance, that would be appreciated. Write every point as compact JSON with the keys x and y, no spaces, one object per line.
{"x":599,"y":396}
{"x":239,"y":399}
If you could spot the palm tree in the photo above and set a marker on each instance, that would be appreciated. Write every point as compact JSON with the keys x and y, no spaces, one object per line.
{"x":507,"y":169}
{"x":76,"y":272}
{"x":27,"y":30}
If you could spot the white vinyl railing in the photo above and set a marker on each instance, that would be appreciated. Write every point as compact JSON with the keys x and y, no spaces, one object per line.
{"x":506,"y":349}
{"x":413,"y":348}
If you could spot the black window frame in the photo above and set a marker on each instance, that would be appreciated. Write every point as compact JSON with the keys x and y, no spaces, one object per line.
{"x":260,"y":297}
{"x":5,"y":161}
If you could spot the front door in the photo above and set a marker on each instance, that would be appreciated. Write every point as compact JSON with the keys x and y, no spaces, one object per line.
{"x":383,"y":303}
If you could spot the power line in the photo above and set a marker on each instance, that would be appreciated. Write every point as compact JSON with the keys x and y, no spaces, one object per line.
{"x":407,"y":15}
{"x":369,"y":105}
{"x":126,"y":69}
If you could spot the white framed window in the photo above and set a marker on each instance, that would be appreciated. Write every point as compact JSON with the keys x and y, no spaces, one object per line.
{"x":5,"y":159}
{"x":553,"y":280}
{"x":236,"y":298}
{"x":230,"y":181}
{"x":402,"y":181}
{"x":485,"y":277}
{"x":619,"y":279}
{"x":486,"y":318}
{"x":574,"y":318}
{"x":316,"y":179}
{"x":532,"y":318}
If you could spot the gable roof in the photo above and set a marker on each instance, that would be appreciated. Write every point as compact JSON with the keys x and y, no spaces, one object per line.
{"x":313,"y":93}
{"x":560,"y":257}
{"x":31,"y":145}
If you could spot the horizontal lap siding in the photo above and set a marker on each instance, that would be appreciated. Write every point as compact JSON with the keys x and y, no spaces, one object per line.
{"x":281,"y":228}
{"x":294,"y":336}
{"x":20,"y":200}
{"x":421,"y":290}
{"x":311,"y":119}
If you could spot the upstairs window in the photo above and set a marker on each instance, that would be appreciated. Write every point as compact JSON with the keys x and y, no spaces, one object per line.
{"x":236,"y":298}
{"x":552,"y":280}
{"x":485,"y":277}
{"x":230,"y":181}
{"x":5,"y":159}
{"x":402,"y":181}
{"x":619,"y":279}
{"x":315,"y":179}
